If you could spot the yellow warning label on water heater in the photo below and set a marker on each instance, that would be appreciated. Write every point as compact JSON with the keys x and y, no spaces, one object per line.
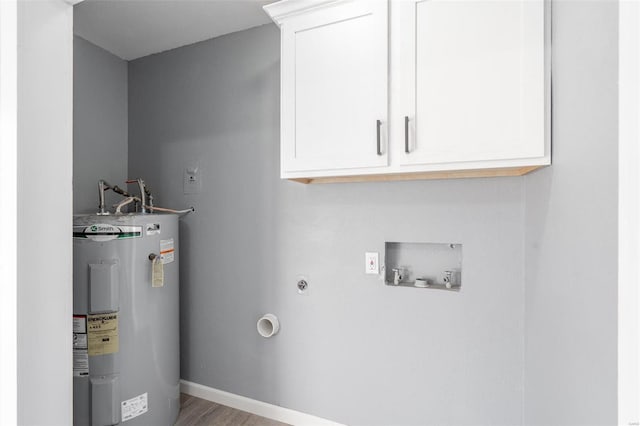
{"x":102,"y":333}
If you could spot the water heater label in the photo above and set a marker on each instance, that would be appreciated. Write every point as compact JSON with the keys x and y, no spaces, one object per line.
{"x":79,"y":323}
{"x":134,"y":407}
{"x":79,"y":341}
{"x":167,"y":251}
{"x":102,"y":333}
{"x":152,"y":229}
{"x":106,"y":232}
{"x":80,"y":363}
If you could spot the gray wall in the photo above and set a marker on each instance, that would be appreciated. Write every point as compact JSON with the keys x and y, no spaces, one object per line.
{"x":99,"y":123}
{"x":571,"y":229}
{"x":352,"y":350}
{"x":45,"y":61}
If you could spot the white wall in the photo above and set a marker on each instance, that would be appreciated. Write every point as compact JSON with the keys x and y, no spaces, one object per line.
{"x":99,"y":124}
{"x":44,"y":212}
{"x":8,"y":214}
{"x":571,"y":230}
{"x":629,"y":212}
{"x":353,"y":349}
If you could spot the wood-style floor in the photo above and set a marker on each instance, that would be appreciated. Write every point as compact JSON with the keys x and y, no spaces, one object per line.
{"x":200,"y":412}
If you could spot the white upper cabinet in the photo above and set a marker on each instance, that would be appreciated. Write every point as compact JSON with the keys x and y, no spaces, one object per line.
{"x":468,"y":88}
{"x":473,"y":82}
{"x":334,"y":85}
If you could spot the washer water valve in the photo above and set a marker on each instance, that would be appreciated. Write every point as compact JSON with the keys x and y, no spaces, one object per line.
{"x":397,"y":275}
{"x":450,"y":279}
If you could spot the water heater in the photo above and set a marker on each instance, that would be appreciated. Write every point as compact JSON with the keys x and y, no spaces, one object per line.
{"x":126,"y":364}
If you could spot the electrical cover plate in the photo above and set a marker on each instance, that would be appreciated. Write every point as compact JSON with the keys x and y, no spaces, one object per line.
{"x":192,"y":179}
{"x":372,"y":263}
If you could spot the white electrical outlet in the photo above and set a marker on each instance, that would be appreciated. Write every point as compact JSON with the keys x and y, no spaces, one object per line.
{"x":192,"y":179}
{"x":372,"y":263}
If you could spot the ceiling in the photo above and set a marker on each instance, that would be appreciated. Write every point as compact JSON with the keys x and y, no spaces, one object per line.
{"x":131,"y":29}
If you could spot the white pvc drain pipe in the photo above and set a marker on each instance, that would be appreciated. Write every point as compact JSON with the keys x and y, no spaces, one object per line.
{"x":268,"y":325}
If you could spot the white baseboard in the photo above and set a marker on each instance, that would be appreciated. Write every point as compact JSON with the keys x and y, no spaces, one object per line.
{"x":253,"y":406}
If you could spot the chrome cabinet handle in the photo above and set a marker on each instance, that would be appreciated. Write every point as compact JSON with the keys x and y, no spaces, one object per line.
{"x":406,"y":134}
{"x":378,"y":124}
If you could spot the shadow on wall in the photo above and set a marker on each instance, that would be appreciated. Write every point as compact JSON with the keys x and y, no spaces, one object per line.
{"x":536,"y":219}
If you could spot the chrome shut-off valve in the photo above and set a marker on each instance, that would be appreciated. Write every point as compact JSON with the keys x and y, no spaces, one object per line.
{"x":397,"y":275}
{"x":450,"y":278}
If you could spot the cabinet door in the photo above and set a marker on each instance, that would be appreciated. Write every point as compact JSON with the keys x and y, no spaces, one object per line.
{"x":472,"y":81}
{"x":334,"y":87}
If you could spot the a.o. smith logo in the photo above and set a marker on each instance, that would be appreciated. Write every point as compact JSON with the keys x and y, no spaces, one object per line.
{"x":103,"y":228}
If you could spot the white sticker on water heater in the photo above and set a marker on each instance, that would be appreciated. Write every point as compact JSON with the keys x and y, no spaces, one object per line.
{"x":167,"y":251}
{"x":134,"y":407}
{"x":152,"y":229}
{"x":80,"y":363}
{"x":79,"y":323}
{"x":80,"y":341}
